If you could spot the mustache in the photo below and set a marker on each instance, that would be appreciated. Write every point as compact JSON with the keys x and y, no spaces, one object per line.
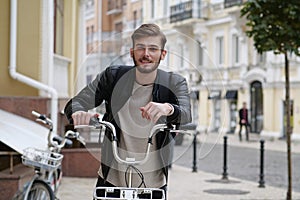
{"x":145,"y":59}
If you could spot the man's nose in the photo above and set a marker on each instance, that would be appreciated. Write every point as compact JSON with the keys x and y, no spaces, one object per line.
{"x":146,"y":52}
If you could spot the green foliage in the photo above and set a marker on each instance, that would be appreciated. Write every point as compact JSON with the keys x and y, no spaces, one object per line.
{"x":273,"y":24}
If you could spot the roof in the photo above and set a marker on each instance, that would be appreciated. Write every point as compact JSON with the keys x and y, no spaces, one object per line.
{"x":19,"y":133}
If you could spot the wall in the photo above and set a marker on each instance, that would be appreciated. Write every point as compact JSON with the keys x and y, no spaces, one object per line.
{"x":28,"y":44}
{"x":11,"y":183}
{"x":23,"y":106}
{"x":81,"y":162}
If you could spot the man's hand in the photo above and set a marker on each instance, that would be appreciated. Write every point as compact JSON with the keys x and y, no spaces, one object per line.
{"x":81,"y":117}
{"x":153,"y":111}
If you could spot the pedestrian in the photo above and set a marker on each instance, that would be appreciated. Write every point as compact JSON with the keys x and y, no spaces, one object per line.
{"x":136,"y":98}
{"x":243,"y":115}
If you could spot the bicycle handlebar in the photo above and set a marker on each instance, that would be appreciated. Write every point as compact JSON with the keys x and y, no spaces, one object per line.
{"x":57,"y":142}
{"x":97,"y":124}
{"x":42,"y":118}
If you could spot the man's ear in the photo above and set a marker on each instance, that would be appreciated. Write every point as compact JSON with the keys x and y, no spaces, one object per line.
{"x":163,"y":54}
{"x":131,"y":52}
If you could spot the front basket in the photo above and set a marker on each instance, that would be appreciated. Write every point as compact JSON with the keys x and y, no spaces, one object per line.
{"x":41,"y":159}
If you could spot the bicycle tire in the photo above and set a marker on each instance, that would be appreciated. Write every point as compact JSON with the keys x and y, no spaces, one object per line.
{"x":40,"y":190}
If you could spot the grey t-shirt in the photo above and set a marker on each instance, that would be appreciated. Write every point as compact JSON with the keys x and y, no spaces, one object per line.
{"x":133,"y":143}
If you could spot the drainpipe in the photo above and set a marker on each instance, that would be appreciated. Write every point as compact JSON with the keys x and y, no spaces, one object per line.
{"x":24,"y":79}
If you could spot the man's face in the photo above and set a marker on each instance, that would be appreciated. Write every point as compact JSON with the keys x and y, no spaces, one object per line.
{"x":147,"y":53}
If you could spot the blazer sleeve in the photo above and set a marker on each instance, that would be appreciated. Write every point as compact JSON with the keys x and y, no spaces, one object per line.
{"x":182,"y":106}
{"x":90,"y":96}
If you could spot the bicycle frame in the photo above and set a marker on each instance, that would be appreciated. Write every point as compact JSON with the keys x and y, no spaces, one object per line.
{"x":52,"y":178}
{"x":47,"y":164}
{"x":128,"y":193}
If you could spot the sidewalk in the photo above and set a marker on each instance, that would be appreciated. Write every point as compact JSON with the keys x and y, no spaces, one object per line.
{"x":186,"y":185}
{"x":254,"y":141}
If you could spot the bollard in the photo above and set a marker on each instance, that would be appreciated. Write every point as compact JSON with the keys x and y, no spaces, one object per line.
{"x":225,"y":174}
{"x":261,"y":174}
{"x":195,"y":152}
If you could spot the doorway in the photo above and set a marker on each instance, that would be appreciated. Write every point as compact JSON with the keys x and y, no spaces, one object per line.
{"x":256,"y":123}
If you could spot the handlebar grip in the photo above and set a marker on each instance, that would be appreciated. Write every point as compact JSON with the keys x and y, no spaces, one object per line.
{"x":69,"y":143}
{"x":40,"y":116}
{"x":35,"y":113}
{"x":58,"y":139}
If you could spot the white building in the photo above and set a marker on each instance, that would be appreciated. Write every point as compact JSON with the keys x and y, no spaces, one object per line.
{"x":207,"y":44}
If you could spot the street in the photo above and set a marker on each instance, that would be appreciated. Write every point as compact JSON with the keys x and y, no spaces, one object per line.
{"x":243,"y":172}
{"x":243,"y":162}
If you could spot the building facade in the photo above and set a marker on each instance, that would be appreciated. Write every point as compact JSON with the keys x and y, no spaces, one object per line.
{"x":109,"y":25}
{"x":40,"y":49}
{"x":208,"y":45}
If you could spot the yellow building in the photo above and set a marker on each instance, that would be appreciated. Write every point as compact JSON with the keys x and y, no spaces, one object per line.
{"x":40,"y":50}
{"x":41,"y":47}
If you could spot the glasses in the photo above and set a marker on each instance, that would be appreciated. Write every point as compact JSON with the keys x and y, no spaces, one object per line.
{"x":150,"y":49}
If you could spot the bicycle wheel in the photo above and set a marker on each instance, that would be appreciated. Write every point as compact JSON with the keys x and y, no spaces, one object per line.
{"x":40,"y":191}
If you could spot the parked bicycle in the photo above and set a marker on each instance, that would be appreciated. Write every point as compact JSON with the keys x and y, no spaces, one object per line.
{"x":130,"y":193}
{"x":46,"y":163}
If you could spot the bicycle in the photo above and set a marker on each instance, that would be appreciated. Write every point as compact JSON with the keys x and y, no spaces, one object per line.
{"x":129,"y":193}
{"x":46,"y":163}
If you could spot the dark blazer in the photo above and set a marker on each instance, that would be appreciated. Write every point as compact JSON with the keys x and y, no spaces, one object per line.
{"x":114,"y":87}
{"x":241,"y":116}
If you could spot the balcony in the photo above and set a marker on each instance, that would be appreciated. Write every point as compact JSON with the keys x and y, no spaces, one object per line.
{"x":185,"y":10}
{"x":114,"y":7}
{"x":231,"y":3}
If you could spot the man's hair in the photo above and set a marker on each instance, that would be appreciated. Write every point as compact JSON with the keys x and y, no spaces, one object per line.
{"x":149,"y":30}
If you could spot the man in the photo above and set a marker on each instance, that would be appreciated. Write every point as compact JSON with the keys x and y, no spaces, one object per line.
{"x":136,"y":98}
{"x":243,"y":115}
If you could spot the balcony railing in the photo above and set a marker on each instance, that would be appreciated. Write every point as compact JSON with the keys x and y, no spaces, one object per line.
{"x":181,"y":11}
{"x":230,"y":3}
{"x":114,"y":7}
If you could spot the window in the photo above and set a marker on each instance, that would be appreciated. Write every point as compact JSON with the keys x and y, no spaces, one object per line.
{"x":152,"y":8}
{"x":118,"y":27}
{"x":220,"y":50}
{"x":166,"y":7}
{"x":167,"y":59}
{"x":235,"y":49}
{"x":58,"y":26}
{"x":89,"y":4}
{"x":134,"y":19}
{"x":261,"y":58}
{"x":87,"y":39}
{"x":92,"y":34}
{"x":89,"y":78}
{"x":181,"y":55}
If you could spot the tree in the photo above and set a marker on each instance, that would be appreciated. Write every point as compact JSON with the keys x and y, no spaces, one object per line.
{"x":274,"y":26}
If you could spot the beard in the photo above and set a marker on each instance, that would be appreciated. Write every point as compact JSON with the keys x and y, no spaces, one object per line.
{"x":147,"y":68}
